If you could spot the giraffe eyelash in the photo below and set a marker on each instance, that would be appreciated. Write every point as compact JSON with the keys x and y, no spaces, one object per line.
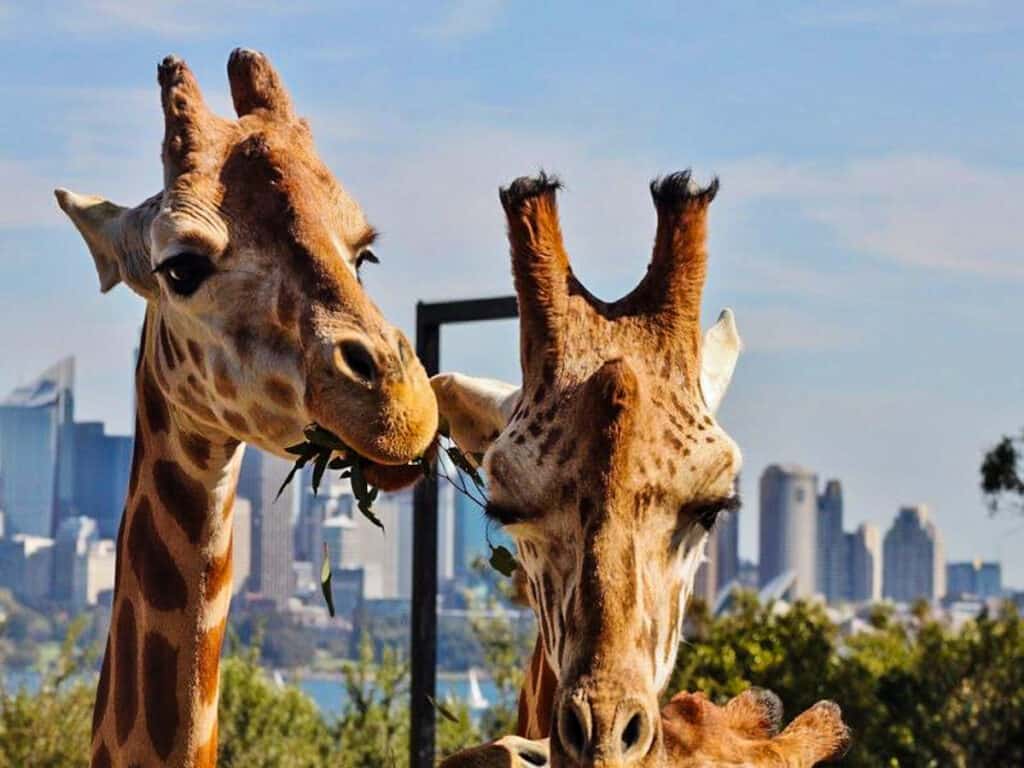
{"x":707,"y":512}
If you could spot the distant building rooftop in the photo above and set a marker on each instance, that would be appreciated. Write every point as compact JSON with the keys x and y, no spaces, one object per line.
{"x":45,"y":389}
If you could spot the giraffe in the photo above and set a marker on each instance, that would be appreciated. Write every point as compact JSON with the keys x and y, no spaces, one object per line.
{"x":700,"y":734}
{"x":606,"y":467}
{"x":256,"y":324}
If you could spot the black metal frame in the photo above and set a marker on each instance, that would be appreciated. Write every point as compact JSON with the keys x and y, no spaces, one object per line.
{"x":429,"y":319}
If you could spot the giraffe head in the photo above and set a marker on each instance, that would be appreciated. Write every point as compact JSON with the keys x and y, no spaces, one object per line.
{"x":249,"y":260}
{"x":607,"y":465}
{"x":700,"y":734}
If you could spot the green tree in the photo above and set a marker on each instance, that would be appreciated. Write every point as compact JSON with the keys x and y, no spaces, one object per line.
{"x":1002,"y":474}
{"x":262,"y":725}
{"x":50,"y":728}
{"x":914,"y":692}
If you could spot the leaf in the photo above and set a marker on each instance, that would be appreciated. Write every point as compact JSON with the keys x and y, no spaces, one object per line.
{"x":359,"y":487}
{"x":299,"y":464}
{"x":322,"y":437}
{"x":463,"y":464}
{"x":305,"y":450}
{"x":325,"y":580}
{"x":503,"y":561}
{"x":368,"y":514}
{"x":318,"y":470}
{"x":442,"y":709}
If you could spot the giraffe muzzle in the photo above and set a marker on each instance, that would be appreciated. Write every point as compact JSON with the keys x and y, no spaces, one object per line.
{"x":606,"y":731}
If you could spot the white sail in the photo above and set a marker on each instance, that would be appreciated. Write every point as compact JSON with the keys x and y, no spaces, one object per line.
{"x":477,"y":700}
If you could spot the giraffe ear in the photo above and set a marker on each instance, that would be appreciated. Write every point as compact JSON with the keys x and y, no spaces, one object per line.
{"x":718,"y":356}
{"x":117,"y":238}
{"x":474,"y":411}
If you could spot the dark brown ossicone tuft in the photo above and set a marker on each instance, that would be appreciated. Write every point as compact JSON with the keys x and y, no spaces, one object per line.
{"x":168,"y":71}
{"x":679,"y":189}
{"x":526,"y":187}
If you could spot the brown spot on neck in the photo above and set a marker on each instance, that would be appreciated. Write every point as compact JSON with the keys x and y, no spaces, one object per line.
{"x":153,"y":406}
{"x":160,"y":581}
{"x":159,"y":692}
{"x":126,"y":661}
{"x":184,"y":499}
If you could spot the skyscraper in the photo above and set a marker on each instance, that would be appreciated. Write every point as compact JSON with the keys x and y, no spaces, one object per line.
{"x":831,"y":569}
{"x":706,"y":583}
{"x":272,"y":541}
{"x":974,"y":579}
{"x":74,"y":537}
{"x":36,"y":451}
{"x":789,"y":532}
{"x":864,"y":564}
{"x":727,"y":550}
{"x":102,"y":464}
{"x":914,"y":559}
{"x":241,"y":544}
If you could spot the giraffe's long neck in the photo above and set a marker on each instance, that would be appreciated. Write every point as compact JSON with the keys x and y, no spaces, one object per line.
{"x":156,"y":703}
{"x":537,"y":697}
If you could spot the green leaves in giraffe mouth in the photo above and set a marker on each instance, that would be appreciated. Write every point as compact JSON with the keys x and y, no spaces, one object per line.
{"x":325,"y":450}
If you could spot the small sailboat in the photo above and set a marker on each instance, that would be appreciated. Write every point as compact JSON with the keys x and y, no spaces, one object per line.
{"x":477,"y":700}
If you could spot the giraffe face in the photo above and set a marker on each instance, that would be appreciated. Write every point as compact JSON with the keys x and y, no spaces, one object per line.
{"x":251,"y":256}
{"x":607,"y":467}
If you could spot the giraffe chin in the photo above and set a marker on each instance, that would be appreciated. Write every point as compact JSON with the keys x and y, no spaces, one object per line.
{"x":394,"y":477}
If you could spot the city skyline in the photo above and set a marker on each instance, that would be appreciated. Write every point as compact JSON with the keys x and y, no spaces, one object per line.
{"x":806,"y":532}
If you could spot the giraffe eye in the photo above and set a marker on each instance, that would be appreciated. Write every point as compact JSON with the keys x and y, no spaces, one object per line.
{"x":185,"y":272}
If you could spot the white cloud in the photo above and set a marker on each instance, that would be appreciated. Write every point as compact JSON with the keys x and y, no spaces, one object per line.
{"x":929,"y":211}
{"x":464,"y":19}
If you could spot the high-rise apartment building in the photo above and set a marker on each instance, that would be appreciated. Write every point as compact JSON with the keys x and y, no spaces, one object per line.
{"x":914,"y":559}
{"x":727,"y":549}
{"x":102,"y":464}
{"x":74,"y":537}
{"x":272,"y":516}
{"x":789,"y":527}
{"x":832,"y":560}
{"x":864,"y":564}
{"x":36,"y":451}
{"x":974,"y":578}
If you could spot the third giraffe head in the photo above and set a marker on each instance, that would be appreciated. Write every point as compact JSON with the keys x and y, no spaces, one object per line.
{"x":607,"y":466}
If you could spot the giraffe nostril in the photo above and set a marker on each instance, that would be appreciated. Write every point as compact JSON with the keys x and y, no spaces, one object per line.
{"x":533,"y":757}
{"x":574,"y":729}
{"x":635,"y":738}
{"x":631,"y":733}
{"x":359,"y":360}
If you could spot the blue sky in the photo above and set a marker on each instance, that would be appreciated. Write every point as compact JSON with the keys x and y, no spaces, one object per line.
{"x":868,"y":232}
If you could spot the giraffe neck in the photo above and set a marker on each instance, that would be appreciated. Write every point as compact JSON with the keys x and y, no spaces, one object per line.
{"x":537,"y":697}
{"x":156,"y":703}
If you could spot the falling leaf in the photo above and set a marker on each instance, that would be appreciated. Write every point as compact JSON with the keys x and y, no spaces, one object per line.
{"x":442,"y":709}
{"x":325,"y":580}
{"x":318,"y":470}
{"x":503,"y":561}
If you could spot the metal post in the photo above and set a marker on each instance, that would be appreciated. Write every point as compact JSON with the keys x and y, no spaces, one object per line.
{"x":422,"y":726}
{"x":422,"y":723}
